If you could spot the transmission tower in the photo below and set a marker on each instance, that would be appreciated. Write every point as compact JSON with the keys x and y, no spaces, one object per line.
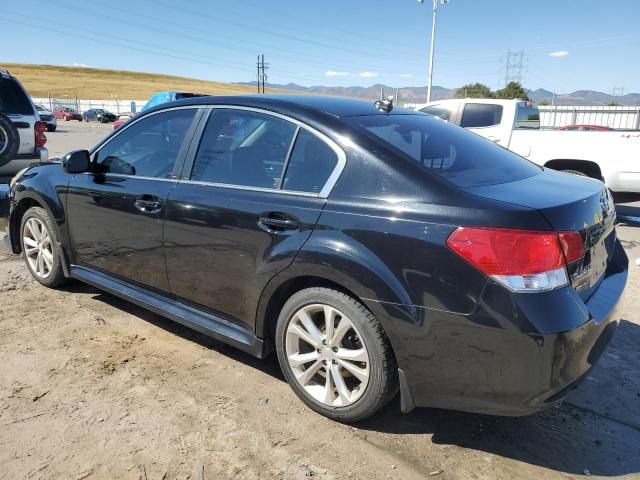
{"x":513,"y":66}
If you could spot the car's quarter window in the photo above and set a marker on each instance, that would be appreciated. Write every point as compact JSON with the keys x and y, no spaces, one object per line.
{"x":438,"y":111}
{"x":464,"y":159}
{"x":481,"y":115}
{"x":242,"y":147}
{"x":311,"y":163}
{"x":148,"y":148}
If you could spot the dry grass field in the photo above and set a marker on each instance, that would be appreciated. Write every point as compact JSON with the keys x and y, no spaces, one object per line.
{"x":97,"y":83}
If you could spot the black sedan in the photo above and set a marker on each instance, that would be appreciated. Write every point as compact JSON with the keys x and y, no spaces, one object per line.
{"x":99,"y":115}
{"x":375,"y":249}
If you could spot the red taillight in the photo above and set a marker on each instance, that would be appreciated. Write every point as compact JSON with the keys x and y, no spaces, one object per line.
{"x":507,"y":252}
{"x":572,"y":246}
{"x":38,"y":130}
{"x":521,"y":260}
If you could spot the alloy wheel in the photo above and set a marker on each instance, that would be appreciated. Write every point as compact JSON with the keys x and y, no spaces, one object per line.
{"x":4,"y":140}
{"x":327,"y":355}
{"x":38,"y":249}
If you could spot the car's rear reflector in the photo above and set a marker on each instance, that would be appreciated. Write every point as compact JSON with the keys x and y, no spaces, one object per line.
{"x":521,"y":260}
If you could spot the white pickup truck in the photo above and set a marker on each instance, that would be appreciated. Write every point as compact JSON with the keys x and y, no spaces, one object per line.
{"x":611,"y":156}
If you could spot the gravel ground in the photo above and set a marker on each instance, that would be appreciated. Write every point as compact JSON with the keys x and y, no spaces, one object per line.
{"x":94,"y":387}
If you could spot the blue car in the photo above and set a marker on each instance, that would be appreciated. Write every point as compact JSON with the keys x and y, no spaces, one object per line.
{"x":165,"y":97}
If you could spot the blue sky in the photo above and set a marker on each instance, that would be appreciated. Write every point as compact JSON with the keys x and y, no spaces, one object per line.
{"x":568,"y":44}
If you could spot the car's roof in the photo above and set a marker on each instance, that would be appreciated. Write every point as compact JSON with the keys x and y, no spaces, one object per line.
{"x":336,"y":106}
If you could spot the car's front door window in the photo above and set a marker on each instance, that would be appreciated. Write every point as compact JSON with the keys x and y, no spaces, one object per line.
{"x":147,"y":148}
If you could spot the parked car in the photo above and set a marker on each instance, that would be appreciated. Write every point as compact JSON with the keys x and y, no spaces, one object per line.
{"x":122,"y":118}
{"x":66,"y":114}
{"x":586,"y":128}
{"x":373,"y":248}
{"x":99,"y":115}
{"x":47,"y":117}
{"x":159,"y":98}
{"x":515,"y":124}
{"x":22,"y":136}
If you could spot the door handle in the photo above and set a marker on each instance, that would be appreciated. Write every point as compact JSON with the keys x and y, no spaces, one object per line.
{"x":277,"y":221}
{"x":148,"y":204}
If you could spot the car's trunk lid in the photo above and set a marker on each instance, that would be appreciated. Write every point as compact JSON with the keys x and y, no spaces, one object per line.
{"x":569,"y":203}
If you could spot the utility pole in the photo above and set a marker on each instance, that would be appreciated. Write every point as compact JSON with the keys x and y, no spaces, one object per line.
{"x":433,"y":45}
{"x":262,"y":75}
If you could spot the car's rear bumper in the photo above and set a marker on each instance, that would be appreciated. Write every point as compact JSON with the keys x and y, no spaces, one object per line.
{"x":40,"y":155}
{"x":494,"y":362}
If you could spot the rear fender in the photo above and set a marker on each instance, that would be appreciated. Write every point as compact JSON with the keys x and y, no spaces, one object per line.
{"x":356,"y":270}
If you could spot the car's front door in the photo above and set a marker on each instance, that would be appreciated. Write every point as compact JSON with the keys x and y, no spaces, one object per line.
{"x":252,"y":198}
{"x":116,"y":211}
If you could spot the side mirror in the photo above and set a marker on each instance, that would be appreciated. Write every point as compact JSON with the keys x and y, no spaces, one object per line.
{"x":76,"y":161}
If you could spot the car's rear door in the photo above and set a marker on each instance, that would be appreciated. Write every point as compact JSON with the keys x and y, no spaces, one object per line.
{"x":251,"y":198}
{"x":116,"y":211}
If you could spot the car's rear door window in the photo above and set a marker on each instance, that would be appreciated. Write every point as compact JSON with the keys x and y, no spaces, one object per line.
{"x":245,"y":148}
{"x":462,"y":158}
{"x":476,"y":115}
{"x":148,"y":148}
{"x":311,"y":163}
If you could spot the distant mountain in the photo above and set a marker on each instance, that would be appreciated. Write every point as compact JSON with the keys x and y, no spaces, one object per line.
{"x":419,"y":94}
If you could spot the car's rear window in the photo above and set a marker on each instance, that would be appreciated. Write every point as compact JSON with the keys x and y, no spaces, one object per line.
{"x":461,"y":157}
{"x":13,"y":99}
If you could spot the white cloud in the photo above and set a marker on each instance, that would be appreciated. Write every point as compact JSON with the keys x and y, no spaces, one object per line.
{"x":406,"y":75}
{"x":76,"y":64}
{"x":333,"y":73}
{"x":368,"y":74}
{"x":559,"y":54}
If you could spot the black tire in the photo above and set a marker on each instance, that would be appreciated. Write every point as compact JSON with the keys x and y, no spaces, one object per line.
{"x":575,"y":172}
{"x":9,"y":140}
{"x":56,"y":276}
{"x":51,"y":128}
{"x":383,"y":377}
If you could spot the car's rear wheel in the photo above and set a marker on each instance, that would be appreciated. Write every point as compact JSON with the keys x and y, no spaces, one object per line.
{"x":9,"y":140}
{"x":335,"y":354}
{"x":39,"y":245}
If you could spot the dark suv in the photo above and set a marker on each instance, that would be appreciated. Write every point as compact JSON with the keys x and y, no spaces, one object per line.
{"x":374,"y":249}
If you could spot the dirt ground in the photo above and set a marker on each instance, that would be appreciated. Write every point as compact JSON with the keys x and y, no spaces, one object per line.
{"x":94,"y":387}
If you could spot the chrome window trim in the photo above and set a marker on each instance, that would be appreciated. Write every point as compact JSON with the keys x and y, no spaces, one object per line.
{"x":324,"y":191}
{"x":250,"y":188}
{"x":139,"y":177}
{"x":329,"y":184}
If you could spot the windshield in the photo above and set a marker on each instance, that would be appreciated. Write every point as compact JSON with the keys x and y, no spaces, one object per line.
{"x":461,"y":157}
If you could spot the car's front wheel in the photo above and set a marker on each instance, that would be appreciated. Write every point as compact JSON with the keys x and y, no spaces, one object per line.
{"x":335,"y":354}
{"x":39,"y":245}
